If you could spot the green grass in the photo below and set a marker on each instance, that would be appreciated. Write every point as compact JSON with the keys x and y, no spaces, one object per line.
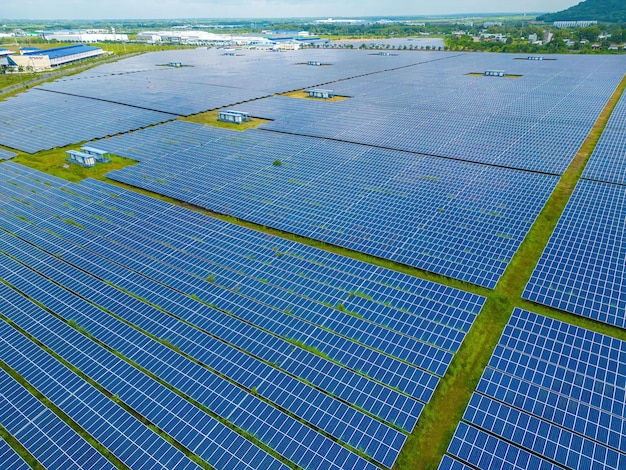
{"x":209,"y":118}
{"x":53,"y":161}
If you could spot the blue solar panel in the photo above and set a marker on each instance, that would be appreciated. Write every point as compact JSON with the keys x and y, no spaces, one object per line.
{"x":235,"y":404}
{"x":49,"y":439}
{"x":130,"y":440}
{"x":486,"y":451}
{"x":448,"y":463}
{"x":10,"y":458}
{"x":417,"y":210}
{"x":240,"y":243}
{"x":240,"y":275}
{"x":552,"y":389}
{"x":536,"y":122}
{"x":541,"y":437}
{"x":583,"y":268}
{"x":6,"y":155}
{"x":382,"y":443}
{"x":608,"y":162}
{"x":199,"y":432}
{"x":38,"y":120}
{"x":206,"y":81}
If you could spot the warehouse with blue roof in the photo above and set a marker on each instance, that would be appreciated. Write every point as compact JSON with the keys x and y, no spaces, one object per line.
{"x":48,"y":58}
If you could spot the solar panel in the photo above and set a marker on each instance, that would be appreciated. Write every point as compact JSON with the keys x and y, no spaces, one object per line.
{"x":607,"y":162}
{"x":10,"y":458}
{"x":206,"y":81}
{"x":38,"y":120}
{"x":582,"y":268}
{"x":413,"y":209}
{"x":6,"y":155}
{"x":536,"y":122}
{"x":553,"y":390}
{"x":49,"y":439}
{"x":486,"y":451}
{"x":130,"y":440}
{"x":270,"y":357}
{"x":174,"y":415}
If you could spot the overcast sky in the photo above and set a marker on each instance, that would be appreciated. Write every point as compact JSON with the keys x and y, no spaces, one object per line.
{"x":120,"y":9}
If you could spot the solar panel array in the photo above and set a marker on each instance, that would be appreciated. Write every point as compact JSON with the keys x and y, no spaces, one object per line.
{"x":552,"y":397}
{"x":39,"y":120}
{"x":211,"y":80}
{"x":536,"y":122}
{"x":327,"y":360}
{"x":49,"y":439}
{"x":10,"y":458}
{"x":608,"y":161}
{"x":583,"y":268}
{"x":417,"y":210}
{"x":6,"y":155}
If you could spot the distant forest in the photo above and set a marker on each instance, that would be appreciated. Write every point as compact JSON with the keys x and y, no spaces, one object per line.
{"x":610,"y":11}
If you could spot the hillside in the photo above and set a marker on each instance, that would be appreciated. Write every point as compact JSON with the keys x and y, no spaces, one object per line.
{"x":612,"y":11}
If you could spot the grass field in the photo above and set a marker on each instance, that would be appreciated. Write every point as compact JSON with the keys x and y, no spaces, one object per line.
{"x":53,"y":162}
{"x":209,"y":118}
{"x":304,"y":95}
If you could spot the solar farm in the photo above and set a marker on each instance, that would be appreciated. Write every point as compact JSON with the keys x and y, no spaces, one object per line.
{"x":347,"y":284}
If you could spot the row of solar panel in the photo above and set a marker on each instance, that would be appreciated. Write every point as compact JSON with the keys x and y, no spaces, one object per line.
{"x":551,"y":397}
{"x":607,"y":163}
{"x":86,"y":108}
{"x":413,"y":209}
{"x":161,"y":406}
{"x":38,"y":120}
{"x":399,"y":345}
{"x":582,"y":269}
{"x":90,"y":198}
{"x":6,"y":155}
{"x":247,"y":375}
{"x":208,"y":77}
{"x":437,"y":362}
{"x":114,"y":427}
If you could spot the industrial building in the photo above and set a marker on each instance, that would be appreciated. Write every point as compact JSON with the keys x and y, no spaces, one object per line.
{"x":37,"y":60}
{"x":231,"y":115}
{"x":74,"y":35}
{"x":320,"y":93}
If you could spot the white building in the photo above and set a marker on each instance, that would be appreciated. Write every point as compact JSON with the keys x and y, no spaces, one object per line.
{"x":82,"y":36}
{"x":196,"y":38}
{"x":574,"y":24}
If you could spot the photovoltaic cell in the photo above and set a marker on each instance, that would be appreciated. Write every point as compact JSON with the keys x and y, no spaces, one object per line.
{"x":552,"y":389}
{"x":582,"y":269}
{"x":417,"y":210}
{"x":196,"y":248}
{"x":608,"y":161}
